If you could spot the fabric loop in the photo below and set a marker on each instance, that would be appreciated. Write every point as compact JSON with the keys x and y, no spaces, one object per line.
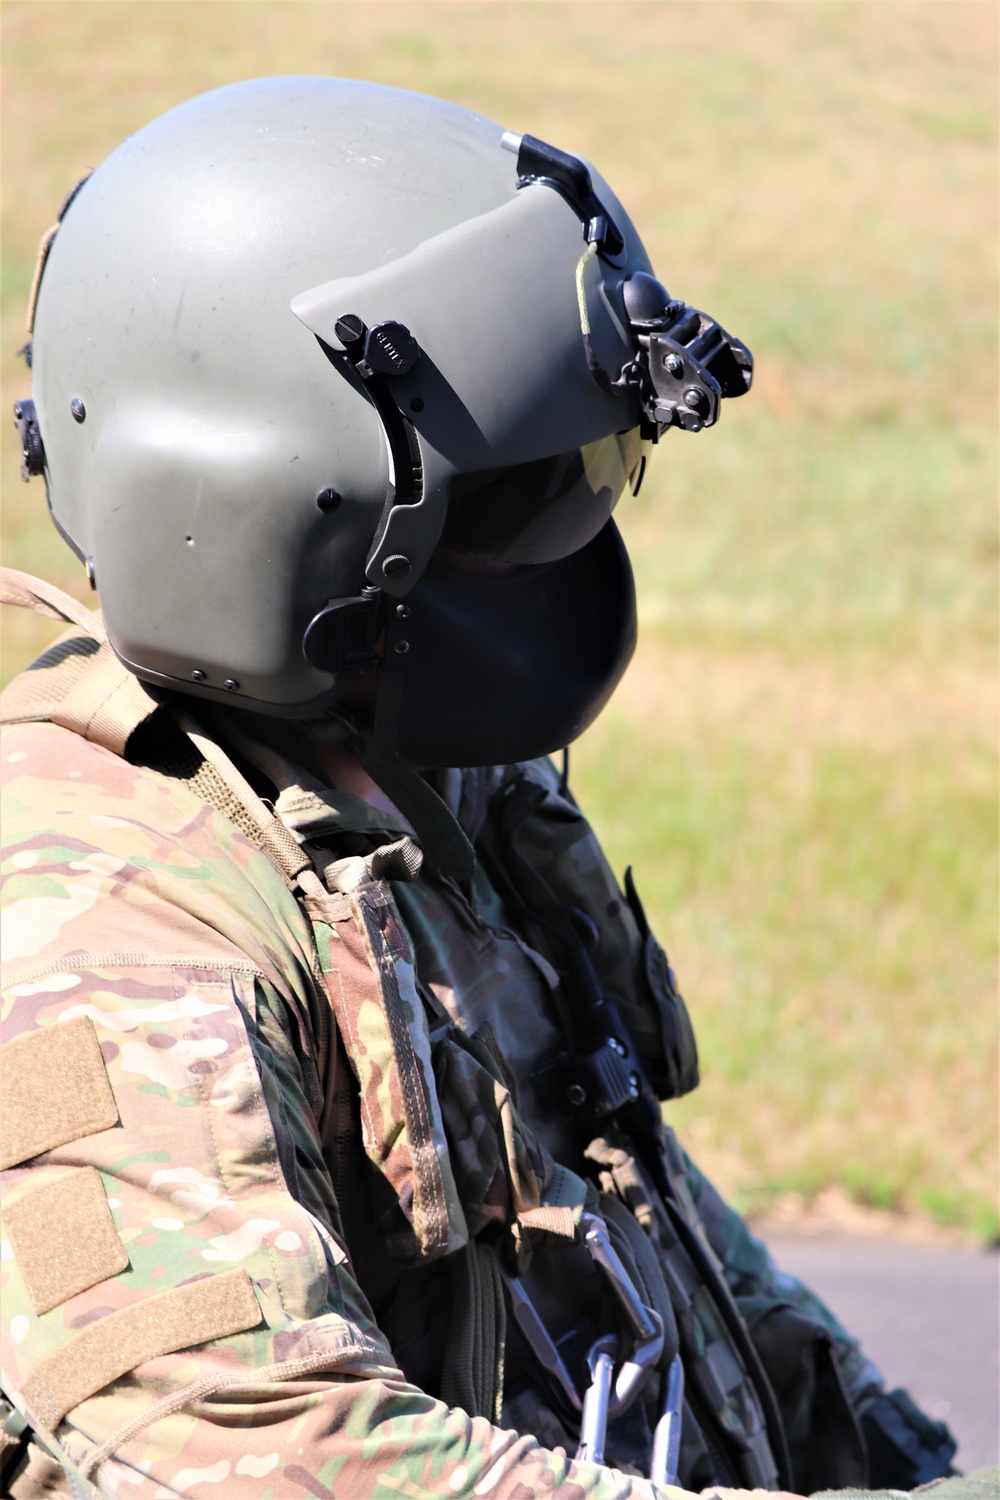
{"x":401,"y":860}
{"x":107,"y":704}
{"x":45,"y":599}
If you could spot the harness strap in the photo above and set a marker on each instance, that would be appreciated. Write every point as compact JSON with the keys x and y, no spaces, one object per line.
{"x":45,"y":599}
{"x":108,"y":704}
{"x":285,"y":853}
{"x":45,"y":245}
{"x":103,"y":701}
{"x":472,"y":1377}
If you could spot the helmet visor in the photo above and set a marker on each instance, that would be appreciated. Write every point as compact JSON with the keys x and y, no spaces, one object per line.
{"x":544,"y":510}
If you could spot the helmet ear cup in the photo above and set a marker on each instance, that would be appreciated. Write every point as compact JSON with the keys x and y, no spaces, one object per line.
{"x":482,"y":669}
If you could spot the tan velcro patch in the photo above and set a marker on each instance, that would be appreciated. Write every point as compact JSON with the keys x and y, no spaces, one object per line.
{"x":54,"y":1088}
{"x":197,"y":1313}
{"x":64,"y":1238}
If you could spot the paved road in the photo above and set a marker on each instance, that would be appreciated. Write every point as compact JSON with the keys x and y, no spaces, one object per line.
{"x":928,"y":1315}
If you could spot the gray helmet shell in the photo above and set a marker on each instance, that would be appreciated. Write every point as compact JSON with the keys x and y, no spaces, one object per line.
{"x":189,"y":307}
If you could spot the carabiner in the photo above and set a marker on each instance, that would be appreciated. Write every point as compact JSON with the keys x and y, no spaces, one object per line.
{"x":597,"y":1399}
{"x":645,"y":1324}
{"x":540,"y":1341}
{"x":667,"y":1436}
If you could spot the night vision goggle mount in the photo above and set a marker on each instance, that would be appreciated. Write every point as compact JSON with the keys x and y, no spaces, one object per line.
{"x":684,"y":363}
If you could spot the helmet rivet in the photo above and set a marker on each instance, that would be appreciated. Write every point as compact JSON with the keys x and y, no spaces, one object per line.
{"x":328,"y":499}
{"x":396,"y":566}
{"x":78,"y":410}
{"x":417,"y":404}
{"x":674,"y":364}
{"x":403,"y":611}
{"x":401,"y":648}
{"x":198,"y":675}
{"x":231,"y":684}
{"x":693,"y":398}
{"x":576,"y":1093}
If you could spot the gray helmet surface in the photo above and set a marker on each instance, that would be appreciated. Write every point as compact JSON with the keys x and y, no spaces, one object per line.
{"x":300,"y":337}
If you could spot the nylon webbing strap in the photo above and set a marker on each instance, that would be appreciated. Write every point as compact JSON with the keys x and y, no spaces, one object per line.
{"x":44,"y":246}
{"x":108,"y":703}
{"x":472,"y":1376}
{"x":45,"y":599}
{"x":288,"y":857}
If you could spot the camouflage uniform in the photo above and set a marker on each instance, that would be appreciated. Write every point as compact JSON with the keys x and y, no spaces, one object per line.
{"x":261,"y":1128}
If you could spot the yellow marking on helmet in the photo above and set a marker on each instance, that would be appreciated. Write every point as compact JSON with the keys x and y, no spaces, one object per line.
{"x":581,"y":295}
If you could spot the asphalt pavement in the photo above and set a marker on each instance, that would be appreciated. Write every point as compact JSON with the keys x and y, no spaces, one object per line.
{"x":928,"y":1315}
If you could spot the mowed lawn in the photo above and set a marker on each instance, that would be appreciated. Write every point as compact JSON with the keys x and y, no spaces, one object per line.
{"x":801,"y":763}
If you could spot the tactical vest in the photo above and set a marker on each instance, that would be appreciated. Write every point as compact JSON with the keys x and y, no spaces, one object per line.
{"x":491,"y":1206}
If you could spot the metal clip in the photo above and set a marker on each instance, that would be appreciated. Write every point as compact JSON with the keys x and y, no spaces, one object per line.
{"x":540,"y":1341}
{"x":597,"y":1400}
{"x":646,"y":1325}
{"x":667,"y":1436}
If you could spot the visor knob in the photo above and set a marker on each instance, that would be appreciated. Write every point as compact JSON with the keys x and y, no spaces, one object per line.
{"x":396,"y":566}
{"x":391,"y":349}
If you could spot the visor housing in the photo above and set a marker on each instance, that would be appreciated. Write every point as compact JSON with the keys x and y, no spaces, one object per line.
{"x":542,"y":510}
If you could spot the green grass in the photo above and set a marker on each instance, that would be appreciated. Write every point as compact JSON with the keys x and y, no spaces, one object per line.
{"x":801,"y":764}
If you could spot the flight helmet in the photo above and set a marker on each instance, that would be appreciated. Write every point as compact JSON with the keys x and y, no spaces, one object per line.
{"x":334,"y":382}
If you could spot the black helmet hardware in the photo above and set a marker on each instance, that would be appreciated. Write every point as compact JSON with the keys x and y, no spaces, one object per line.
{"x":686,"y":363}
{"x":32,"y":452}
{"x":537,"y":161}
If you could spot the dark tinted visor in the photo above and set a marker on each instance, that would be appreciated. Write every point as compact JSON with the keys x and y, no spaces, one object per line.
{"x":545,"y":510}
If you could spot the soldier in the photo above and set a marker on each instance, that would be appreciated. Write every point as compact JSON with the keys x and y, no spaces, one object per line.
{"x":332,"y":1073}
